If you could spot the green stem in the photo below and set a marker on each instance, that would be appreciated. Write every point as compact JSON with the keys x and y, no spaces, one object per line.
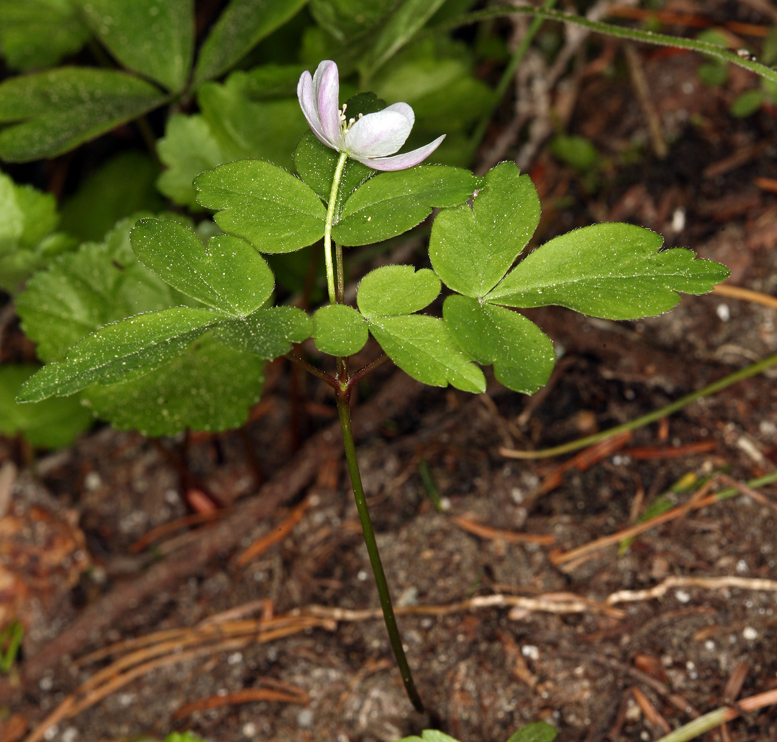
{"x":507,"y":76}
{"x":330,"y":216}
{"x":719,"y":385}
{"x":344,"y":411}
{"x":647,"y":37}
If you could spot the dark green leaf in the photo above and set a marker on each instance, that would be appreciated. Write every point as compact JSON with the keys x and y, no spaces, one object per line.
{"x":347,"y":19}
{"x":522,"y":354}
{"x":207,"y":387}
{"x":607,"y":270}
{"x":316,"y":165}
{"x":151,"y":37}
{"x":53,"y":423}
{"x":228,"y":274}
{"x":123,"y":185}
{"x":268,"y":81}
{"x":423,"y":347}
{"x":53,"y":112}
{"x":241,"y":26}
{"x":577,"y":152}
{"x":121,"y":351}
{"x":396,"y":289}
{"x":39,"y":33}
{"x":263,"y":204}
{"x":748,"y":103}
{"x":537,"y":732}
{"x":471,"y":250}
{"x":268,"y":333}
{"x":392,"y":203}
{"x":339,"y":330}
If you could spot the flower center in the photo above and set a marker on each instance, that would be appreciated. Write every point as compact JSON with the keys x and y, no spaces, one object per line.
{"x":346,"y":123}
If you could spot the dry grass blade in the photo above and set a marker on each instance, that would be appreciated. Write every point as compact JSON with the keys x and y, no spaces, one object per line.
{"x":491,"y":534}
{"x":708,"y":583}
{"x":247,"y":695}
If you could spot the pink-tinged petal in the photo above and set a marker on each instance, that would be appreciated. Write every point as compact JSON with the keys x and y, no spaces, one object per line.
{"x":404,"y":109}
{"x":307,"y":102}
{"x":326,"y":84}
{"x":378,"y":134}
{"x":403,"y":161}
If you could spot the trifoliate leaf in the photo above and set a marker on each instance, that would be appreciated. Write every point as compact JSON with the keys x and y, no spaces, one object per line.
{"x":153,"y":38}
{"x":268,"y":333}
{"x":615,"y":271}
{"x":53,"y":423}
{"x":396,"y":289}
{"x":263,"y":204}
{"x":207,"y":387}
{"x":392,"y":203}
{"x":522,"y":354}
{"x":121,"y":351}
{"x":228,"y":274}
{"x":39,"y":33}
{"x":424,"y":348}
{"x":49,"y":113}
{"x":242,"y":25}
{"x":339,"y":330}
{"x":472,"y":249}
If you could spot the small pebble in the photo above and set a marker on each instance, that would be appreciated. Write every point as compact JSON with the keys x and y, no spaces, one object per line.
{"x":750,"y":633}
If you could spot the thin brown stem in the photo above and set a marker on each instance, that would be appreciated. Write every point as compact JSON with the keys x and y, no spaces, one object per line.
{"x":317,"y":372}
{"x":368,"y":369}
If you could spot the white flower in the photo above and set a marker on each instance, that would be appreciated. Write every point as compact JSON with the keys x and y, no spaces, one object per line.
{"x":369,"y":139}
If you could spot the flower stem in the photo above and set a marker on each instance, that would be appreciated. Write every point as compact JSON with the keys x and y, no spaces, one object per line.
{"x":344,"y":411}
{"x":330,"y":216}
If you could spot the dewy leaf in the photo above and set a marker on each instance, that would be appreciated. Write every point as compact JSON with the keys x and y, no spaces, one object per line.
{"x":123,"y":350}
{"x":84,"y":290}
{"x":242,"y":25}
{"x":522,"y":354}
{"x":392,"y":203}
{"x":268,"y":333}
{"x":472,"y":249}
{"x":52,"y":112}
{"x":152,"y":37}
{"x":539,"y":731}
{"x":228,"y":274}
{"x":207,"y":387}
{"x":396,"y":289}
{"x":339,"y":330}
{"x":424,"y":348}
{"x":263,"y":204}
{"x":613,"y":271}
{"x":53,"y":423}
{"x":346,"y":19}
{"x":38,"y":33}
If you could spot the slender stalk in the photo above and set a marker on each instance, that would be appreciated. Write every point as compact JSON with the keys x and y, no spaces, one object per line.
{"x":317,"y":372}
{"x":344,"y":411}
{"x":330,"y":216}
{"x":368,"y":369}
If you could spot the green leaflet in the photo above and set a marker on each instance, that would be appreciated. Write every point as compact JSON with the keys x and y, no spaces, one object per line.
{"x":614,"y":271}
{"x":423,"y":348}
{"x":394,"y":202}
{"x":339,"y":330}
{"x":121,"y":351}
{"x":539,"y":731}
{"x":522,"y":354}
{"x":472,"y":249}
{"x":52,"y":112}
{"x":228,"y":274}
{"x":396,"y":289}
{"x":242,"y":25}
{"x":267,"y":333}
{"x":263,"y":204}
{"x":53,"y":423}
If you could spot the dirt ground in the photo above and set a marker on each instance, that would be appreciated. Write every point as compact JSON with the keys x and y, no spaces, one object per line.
{"x":501,"y":626}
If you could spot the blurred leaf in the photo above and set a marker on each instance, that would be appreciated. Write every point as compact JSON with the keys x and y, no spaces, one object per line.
{"x":53,"y":423}
{"x":522,"y":354}
{"x":394,"y":202}
{"x":769,"y":49}
{"x":52,"y":112}
{"x":471,"y":249}
{"x":345,"y":20}
{"x":577,"y":152}
{"x":151,"y":37}
{"x":242,"y":25}
{"x":396,"y":289}
{"x":339,"y":330}
{"x":539,"y":731}
{"x":39,"y":33}
{"x":207,"y":387}
{"x":228,"y":274}
{"x":268,"y":333}
{"x":615,"y":271}
{"x":713,"y":73}
{"x":121,"y":186}
{"x":263,"y":204}
{"x":268,"y":81}
{"x":424,"y":349}
{"x":429,"y":735}
{"x":748,"y":103}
